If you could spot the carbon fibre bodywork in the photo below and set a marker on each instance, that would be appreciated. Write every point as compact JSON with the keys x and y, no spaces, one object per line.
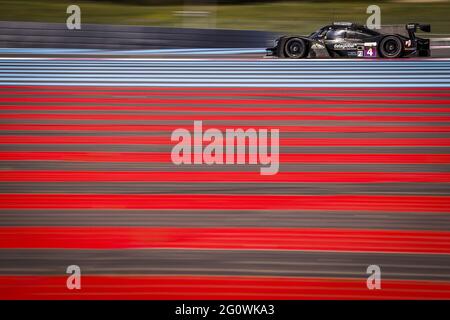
{"x":353,"y":41}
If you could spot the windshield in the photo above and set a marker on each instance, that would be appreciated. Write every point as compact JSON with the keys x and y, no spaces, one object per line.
{"x":319,"y":32}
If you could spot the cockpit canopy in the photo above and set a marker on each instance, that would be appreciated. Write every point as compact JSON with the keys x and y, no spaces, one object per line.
{"x":341,"y":30}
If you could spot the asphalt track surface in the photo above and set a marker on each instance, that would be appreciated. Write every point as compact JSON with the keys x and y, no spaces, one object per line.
{"x":86,"y":178}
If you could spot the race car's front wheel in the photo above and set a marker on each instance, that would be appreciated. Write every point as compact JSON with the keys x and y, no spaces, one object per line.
{"x":391,"y":47}
{"x":295,"y":48}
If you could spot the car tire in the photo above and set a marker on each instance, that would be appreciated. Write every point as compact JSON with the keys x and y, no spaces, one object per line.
{"x":391,"y":47}
{"x":295,"y":48}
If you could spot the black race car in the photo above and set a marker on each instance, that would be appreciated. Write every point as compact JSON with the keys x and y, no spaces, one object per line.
{"x":346,"y":39}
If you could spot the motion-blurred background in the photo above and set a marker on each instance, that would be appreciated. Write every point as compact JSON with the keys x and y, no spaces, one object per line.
{"x":86,"y":177}
{"x":270,"y":15}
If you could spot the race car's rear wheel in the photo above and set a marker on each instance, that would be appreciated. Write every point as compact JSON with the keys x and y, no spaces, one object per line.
{"x":295,"y":48}
{"x":391,"y":47}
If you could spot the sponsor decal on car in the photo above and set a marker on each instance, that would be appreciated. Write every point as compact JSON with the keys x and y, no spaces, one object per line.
{"x":317,"y":46}
{"x":370,"y":50}
{"x":344,"y":46}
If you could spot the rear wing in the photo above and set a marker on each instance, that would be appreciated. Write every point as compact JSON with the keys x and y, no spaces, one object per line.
{"x":422,"y":27}
{"x":413,"y":27}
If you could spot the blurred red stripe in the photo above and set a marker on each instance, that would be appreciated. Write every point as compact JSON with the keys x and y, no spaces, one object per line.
{"x":159,"y":287}
{"x":346,"y":240}
{"x":375,"y":203}
{"x":149,"y":140}
{"x":166,"y":157}
{"x":230,"y":110}
{"x":269,"y":92}
{"x":161,"y":140}
{"x":171,"y":127}
{"x":227,"y":89}
{"x":211,"y":177}
{"x":229,"y":101}
{"x":206,"y":117}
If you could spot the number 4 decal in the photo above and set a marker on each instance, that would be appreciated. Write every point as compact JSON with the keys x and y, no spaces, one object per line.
{"x":370,"y":52}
